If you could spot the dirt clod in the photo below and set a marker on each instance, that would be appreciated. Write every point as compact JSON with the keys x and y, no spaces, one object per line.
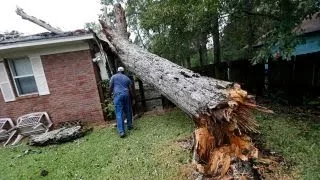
{"x":44,"y":172}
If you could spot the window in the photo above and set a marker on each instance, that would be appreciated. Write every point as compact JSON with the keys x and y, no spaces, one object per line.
{"x":23,"y":76}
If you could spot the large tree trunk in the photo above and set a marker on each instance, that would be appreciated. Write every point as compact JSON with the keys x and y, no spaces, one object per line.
{"x":218,"y":108}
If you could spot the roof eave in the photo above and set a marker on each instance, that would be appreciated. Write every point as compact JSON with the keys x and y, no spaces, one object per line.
{"x":47,"y":41}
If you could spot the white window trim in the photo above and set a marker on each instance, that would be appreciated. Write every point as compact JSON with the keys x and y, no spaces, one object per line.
{"x":5,"y":80}
{"x":17,"y":77}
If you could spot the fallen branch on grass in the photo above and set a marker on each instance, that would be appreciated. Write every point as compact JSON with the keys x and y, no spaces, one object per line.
{"x":58,"y":136}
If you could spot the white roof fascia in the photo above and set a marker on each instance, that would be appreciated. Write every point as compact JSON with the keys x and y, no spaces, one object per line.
{"x":46,"y":41}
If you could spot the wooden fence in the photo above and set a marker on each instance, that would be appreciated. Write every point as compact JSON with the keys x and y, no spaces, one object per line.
{"x":294,"y":80}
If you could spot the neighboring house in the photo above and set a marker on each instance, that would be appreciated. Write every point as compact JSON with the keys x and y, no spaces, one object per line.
{"x":310,"y":31}
{"x":52,"y":73}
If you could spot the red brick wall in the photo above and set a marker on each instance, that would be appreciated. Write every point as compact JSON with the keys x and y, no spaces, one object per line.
{"x":73,"y":91}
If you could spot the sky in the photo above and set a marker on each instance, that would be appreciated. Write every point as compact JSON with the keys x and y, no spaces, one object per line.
{"x":65,"y":14}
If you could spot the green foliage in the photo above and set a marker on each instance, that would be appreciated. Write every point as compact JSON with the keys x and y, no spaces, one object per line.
{"x":111,"y":2}
{"x":92,"y":26}
{"x":105,"y":84}
{"x":176,"y":29}
{"x":195,"y":60}
{"x":148,"y":152}
{"x":271,"y":24}
{"x":108,"y":108}
{"x":107,"y":105}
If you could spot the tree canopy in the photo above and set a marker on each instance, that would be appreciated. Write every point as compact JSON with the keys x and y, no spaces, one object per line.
{"x":191,"y":31}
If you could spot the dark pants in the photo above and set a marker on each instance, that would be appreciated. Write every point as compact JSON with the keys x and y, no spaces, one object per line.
{"x":122,"y":105}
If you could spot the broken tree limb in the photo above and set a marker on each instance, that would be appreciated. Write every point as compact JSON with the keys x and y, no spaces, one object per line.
{"x":219,"y":109}
{"x":105,"y":59}
{"x":57,"y":136}
{"x":121,"y":23}
{"x":37,"y":21}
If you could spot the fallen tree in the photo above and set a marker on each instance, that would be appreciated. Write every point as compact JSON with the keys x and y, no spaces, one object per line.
{"x":219,"y":109}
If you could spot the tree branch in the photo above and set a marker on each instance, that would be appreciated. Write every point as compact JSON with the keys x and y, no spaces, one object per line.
{"x":39,"y":22}
{"x":121,"y":22}
{"x":262,"y":14}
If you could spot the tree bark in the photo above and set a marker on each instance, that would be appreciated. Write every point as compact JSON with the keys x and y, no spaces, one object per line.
{"x":188,"y":61}
{"x":203,"y":54}
{"x":57,"y":136}
{"x":216,"y":48}
{"x":250,"y":30}
{"x":39,"y":22}
{"x":201,"y":61}
{"x":218,"y":108}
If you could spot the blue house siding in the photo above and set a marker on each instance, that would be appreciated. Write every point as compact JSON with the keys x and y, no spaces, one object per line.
{"x":311,"y":45}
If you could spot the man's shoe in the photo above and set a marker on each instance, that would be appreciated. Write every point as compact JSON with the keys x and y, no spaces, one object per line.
{"x":130,"y":128}
{"x":122,"y":135}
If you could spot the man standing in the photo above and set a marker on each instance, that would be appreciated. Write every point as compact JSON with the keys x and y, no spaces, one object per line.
{"x":120,"y":85}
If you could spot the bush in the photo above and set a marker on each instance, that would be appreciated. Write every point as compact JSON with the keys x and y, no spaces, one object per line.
{"x":108,"y":108}
{"x":104,"y":84}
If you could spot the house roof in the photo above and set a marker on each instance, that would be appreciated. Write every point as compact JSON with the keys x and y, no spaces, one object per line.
{"x":42,"y":38}
{"x":309,"y":25}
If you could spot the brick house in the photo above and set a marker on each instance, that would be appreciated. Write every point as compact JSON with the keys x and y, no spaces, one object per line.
{"x":52,"y":73}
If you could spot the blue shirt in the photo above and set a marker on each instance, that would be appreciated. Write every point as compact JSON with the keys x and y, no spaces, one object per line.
{"x":120,"y":84}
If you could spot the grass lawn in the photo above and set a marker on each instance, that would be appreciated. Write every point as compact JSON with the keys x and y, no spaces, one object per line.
{"x":149,"y":152}
{"x":297,"y":139}
{"x":152,"y":152}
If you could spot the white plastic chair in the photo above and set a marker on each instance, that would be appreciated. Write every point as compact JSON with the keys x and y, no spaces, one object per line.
{"x":33,"y":123}
{"x":7,"y":130}
{"x":6,"y":124}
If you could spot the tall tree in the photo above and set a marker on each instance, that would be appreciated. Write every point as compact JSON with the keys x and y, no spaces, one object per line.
{"x":216,"y":39}
{"x":178,"y":29}
{"x":268,"y":22}
{"x":218,"y":108}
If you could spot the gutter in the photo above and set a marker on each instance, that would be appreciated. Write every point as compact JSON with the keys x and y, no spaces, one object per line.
{"x":46,"y":41}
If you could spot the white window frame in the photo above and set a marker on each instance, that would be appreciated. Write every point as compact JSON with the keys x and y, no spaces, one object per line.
{"x":17,"y":77}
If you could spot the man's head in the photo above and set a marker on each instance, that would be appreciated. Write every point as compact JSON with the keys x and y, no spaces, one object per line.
{"x":120,"y":69}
